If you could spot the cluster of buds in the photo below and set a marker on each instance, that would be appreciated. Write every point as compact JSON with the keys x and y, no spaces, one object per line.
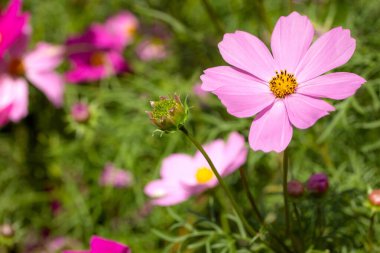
{"x":168,"y":114}
{"x":317,"y":185}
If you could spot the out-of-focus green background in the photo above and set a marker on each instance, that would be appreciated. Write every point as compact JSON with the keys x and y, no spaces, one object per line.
{"x":49,"y":158}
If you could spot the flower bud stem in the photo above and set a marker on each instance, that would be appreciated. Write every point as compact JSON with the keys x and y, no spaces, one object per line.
{"x":285,"y":190}
{"x":235,"y":206}
{"x":249,"y":228}
{"x":250,"y":197}
{"x":371,"y":231}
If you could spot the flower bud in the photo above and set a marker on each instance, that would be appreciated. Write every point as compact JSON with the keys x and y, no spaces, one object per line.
{"x":374,"y":197}
{"x":80,"y":112}
{"x":295,"y":188}
{"x":318,"y":184}
{"x":6,"y":230}
{"x":168,"y":114}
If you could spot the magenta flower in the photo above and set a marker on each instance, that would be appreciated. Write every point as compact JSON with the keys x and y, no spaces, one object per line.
{"x":94,"y":55}
{"x":123,"y":26}
{"x":152,"y":49}
{"x":101,"y":245}
{"x":38,"y":67}
{"x":183,"y":175}
{"x":12,"y":22}
{"x":286,"y":89}
{"x":115,"y":177}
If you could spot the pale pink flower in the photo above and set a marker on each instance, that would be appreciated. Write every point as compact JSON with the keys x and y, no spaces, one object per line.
{"x":102,"y":245}
{"x":286,"y":89}
{"x":152,"y":49}
{"x":123,"y":26}
{"x":12,"y":22}
{"x":115,"y":177}
{"x":38,"y":67}
{"x":183,"y":175}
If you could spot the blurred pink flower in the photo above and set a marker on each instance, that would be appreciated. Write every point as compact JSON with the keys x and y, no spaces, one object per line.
{"x":285,"y":89}
{"x":115,"y":177}
{"x":94,"y":55}
{"x":197,"y":89}
{"x":183,"y":175}
{"x":152,"y":49}
{"x":80,"y":112}
{"x":38,"y":67}
{"x":101,"y":245}
{"x":123,"y":26}
{"x":12,"y":22}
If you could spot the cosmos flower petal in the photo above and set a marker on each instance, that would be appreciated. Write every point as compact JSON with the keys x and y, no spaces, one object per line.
{"x":20,"y":99}
{"x":12,"y":22}
{"x":45,"y":57}
{"x":85,"y":73}
{"x":214,"y":78}
{"x":304,"y":111}
{"x":271,"y":129}
{"x":331,"y":50}
{"x":51,"y":84}
{"x":339,"y":85}
{"x":290,"y":40}
{"x":166,"y":192}
{"x":243,"y":94}
{"x":235,"y":153}
{"x":248,"y":53}
{"x":102,"y":245}
{"x":177,"y":166}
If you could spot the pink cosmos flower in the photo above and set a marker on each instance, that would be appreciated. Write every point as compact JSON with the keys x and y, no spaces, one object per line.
{"x":12,"y":22}
{"x":183,"y":175}
{"x":80,"y":112}
{"x":38,"y":67}
{"x":123,"y":26}
{"x":101,"y":245}
{"x":115,"y":177}
{"x":151,"y":49}
{"x":94,"y":55}
{"x":285,"y":88}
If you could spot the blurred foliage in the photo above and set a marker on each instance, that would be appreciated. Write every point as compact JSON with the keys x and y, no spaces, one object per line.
{"x":48,"y":157}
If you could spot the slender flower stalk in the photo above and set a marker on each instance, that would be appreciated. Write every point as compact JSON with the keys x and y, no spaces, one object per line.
{"x":371,"y":231}
{"x":285,"y":191}
{"x":249,"y":228}
{"x":250,"y":197}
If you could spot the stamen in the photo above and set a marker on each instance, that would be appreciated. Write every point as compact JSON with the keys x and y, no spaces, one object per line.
{"x":283,"y":84}
{"x":97,"y":59}
{"x":204,"y":175}
{"x":16,"y":67}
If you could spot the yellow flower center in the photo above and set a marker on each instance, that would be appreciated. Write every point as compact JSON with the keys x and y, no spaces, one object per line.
{"x":283,"y":84}
{"x":204,"y":175}
{"x":16,"y":67}
{"x":97,"y":59}
{"x":131,"y":30}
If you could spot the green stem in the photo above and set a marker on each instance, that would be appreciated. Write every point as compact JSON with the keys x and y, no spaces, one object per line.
{"x":256,"y":210}
{"x":371,"y":231}
{"x":250,"y":196}
{"x":249,"y":228}
{"x":213,"y":17}
{"x":285,"y":191}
